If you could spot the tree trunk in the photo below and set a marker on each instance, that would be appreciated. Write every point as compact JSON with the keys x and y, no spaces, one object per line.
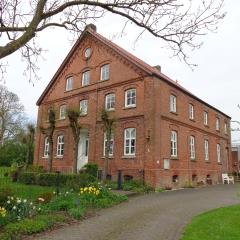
{"x":75,"y":157}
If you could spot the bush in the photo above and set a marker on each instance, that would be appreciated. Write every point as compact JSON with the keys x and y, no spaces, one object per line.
{"x":5,"y":192}
{"x":91,"y":169}
{"x":36,"y":168}
{"x":77,"y":213}
{"x":28,"y":178}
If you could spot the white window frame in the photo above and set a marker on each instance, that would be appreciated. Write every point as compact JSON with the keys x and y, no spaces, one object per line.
{"x":205,"y":118}
{"x":62,"y":112}
{"x":105,"y":144}
{"x":85,"y":78}
{"x":69,"y":83}
{"x":174,"y":152}
{"x":128,"y":142}
{"x":191,"y":111}
{"x":110,"y":102}
{"x":46,"y":147}
{"x":173,"y":103}
{"x":105,"y":70}
{"x":192,"y":148}
{"x":166,"y":164}
{"x":206,"y":150}
{"x":60,"y":145}
{"x":83,"y":106}
{"x":217,"y":123}
{"x":131,"y":96}
{"x":219,"y":153}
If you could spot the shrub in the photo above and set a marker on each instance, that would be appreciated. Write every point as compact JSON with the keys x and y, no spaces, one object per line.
{"x":5,"y":192}
{"x":45,"y":197}
{"x":28,"y":178}
{"x":36,"y":168}
{"x":77,"y":213}
{"x":91,"y":169}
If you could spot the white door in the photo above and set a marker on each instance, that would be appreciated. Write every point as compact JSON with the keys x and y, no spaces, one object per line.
{"x":83,"y":149}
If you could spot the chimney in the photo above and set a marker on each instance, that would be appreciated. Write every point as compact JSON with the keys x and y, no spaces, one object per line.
{"x":158,"y":67}
{"x":91,"y":27}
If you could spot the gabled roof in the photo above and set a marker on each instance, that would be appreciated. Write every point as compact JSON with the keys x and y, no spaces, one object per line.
{"x":133,"y":59}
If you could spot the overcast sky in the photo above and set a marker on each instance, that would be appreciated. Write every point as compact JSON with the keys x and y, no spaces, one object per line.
{"x":215,"y":80}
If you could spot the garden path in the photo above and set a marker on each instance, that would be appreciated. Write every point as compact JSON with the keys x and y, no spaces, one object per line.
{"x":158,"y":216}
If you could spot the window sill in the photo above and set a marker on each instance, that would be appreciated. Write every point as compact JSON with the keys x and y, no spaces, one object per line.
{"x":205,"y":125}
{"x":110,"y":110}
{"x":193,"y":120}
{"x":193,"y":159}
{"x":58,"y":157}
{"x":129,"y":107}
{"x":175,"y":113}
{"x":129,"y":156}
{"x":219,"y":163}
{"x":44,"y":157}
{"x":83,"y":115}
{"x":110,"y":157}
{"x":174,"y":158}
{"x":61,"y":119}
{"x":103,"y":80}
{"x":207,"y":161}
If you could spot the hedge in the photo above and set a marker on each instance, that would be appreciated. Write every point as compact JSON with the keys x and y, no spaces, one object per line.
{"x":50,"y":179}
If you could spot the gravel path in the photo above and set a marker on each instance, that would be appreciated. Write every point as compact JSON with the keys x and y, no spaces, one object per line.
{"x":159,"y":216}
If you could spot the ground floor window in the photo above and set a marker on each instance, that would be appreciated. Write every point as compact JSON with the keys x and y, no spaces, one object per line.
{"x":129,"y":141}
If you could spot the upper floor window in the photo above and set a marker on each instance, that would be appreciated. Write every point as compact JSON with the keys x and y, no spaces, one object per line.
{"x":86,"y":78}
{"x":225,"y":128}
{"x":173,"y":103}
{"x":110,"y":102}
{"x":218,"y":153}
{"x":62,"y":112}
{"x":217,"y":124}
{"x":206,"y":150}
{"x":105,"y":72}
{"x":60,"y":146}
{"x":110,"y":146}
{"x":191,"y":111}
{"x":192,"y":147}
{"x":205,"y":118}
{"x":129,"y":141}
{"x":46,"y":147}
{"x":130,"y":98}
{"x":83,"y":107}
{"x":69,"y":84}
{"x":174,"y":144}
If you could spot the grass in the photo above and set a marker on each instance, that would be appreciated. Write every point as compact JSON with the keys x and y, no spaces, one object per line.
{"x":218,"y":224}
{"x":25,"y":191}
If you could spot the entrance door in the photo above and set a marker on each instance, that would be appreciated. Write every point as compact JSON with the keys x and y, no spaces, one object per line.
{"x":83,"y":148}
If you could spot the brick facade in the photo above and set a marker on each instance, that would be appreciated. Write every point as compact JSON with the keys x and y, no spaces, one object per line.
{"x":150,"y":117}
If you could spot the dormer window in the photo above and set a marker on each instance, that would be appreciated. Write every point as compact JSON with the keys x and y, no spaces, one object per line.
{"x":69,"y":84}
{"x":105,"y":72}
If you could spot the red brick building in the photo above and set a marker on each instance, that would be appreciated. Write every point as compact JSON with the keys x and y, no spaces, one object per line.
{"x":163,"y":130}
{"x":236,"y":158}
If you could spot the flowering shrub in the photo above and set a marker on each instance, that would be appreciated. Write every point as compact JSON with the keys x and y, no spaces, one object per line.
{"x":90,"y":195}
{"x":20,"y":208}
{"x":90,"y":190}
{"x":3,"y":212}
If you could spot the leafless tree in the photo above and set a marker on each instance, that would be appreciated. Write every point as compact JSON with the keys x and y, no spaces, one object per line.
{"x":48,"y":132}
{"x":108,"y":123}
{"x":12,"y":115}
{"x":179,"y":23}
{"x":73,"y":116}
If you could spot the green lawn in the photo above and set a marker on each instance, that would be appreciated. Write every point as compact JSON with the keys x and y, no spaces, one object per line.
{"x":25,"y":191}
{"x":218,"y":224}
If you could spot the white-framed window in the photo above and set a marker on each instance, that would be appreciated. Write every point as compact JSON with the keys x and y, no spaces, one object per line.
{"x":217,"y":124}
{"x":83,"y":107}
{"x":173,"y":143}
{"x":110,"y":102}
{"x":105,"y":72}
{"x":69,"y":83}
{"x":62,"y":112}
{"x":192,"y":148}
{"x":205,"y":118}
{"x":60,"y":146}
{"x":105,"y":145}
{"x":46,"y":147}
{"x":129,"y":141}
{"x":130,"y":98}
{"x":85,"y":78}
{"x":166,"y":164}
{"x":225,"y":128}
{"x":191,"y":111}
{"x":206,"y":150}
{"x":218,"y":153}
{"x":173,"y":103}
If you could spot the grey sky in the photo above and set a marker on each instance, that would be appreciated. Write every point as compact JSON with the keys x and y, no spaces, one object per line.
{"x":215,"y":80}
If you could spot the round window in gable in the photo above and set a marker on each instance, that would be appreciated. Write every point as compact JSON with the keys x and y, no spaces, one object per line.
{"x":87,"y":52}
